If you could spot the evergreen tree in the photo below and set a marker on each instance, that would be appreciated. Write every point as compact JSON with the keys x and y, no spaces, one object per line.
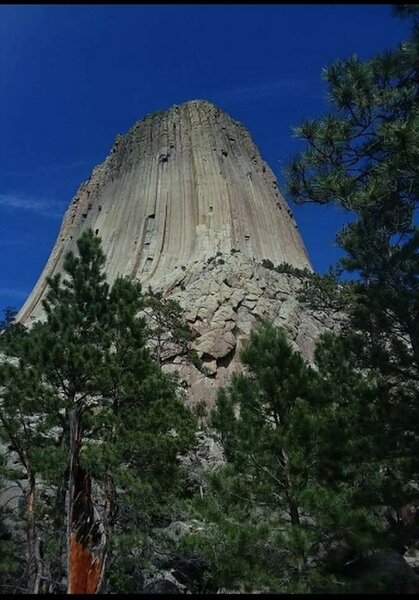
{"x":9,"y":568}
{"x":9,"y":315}
{"x":363,"y":157}
{"x":168,"y":332}
{"x":101,"y":419}
{"x":294,"y":501}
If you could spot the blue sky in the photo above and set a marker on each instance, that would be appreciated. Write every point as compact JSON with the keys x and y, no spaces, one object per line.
{"x":73,"y":77}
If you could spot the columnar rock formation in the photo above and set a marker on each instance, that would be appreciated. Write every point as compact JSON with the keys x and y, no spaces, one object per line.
{"x":181,"y":186}
{"x":185,"y":203}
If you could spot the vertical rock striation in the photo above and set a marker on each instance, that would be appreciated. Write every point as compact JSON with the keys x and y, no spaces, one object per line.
{"x":181,"y":186}
{"x":185,"y":203}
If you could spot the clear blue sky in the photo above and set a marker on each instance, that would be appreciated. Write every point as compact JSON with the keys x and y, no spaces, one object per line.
{"x":73,"y":77}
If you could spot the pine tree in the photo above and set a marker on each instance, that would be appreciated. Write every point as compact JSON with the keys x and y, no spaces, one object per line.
{"x":168,"y":332}
{"x":300,"y":478}
{"x":9,"y":568}
{"x":363,"y":157}
{"x":102,"y":421}
{"x":9,"y":315}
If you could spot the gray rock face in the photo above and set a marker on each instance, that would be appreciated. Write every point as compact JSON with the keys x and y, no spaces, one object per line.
{"x":230,"y":297}
{"x":180,"y":186}
{"x":185,"y":203}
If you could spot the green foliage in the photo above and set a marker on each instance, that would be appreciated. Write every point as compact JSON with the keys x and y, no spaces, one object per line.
{"x":89,"y":361}
{"x":320,"y":292}
{"x":286,"y":268}
{"x":363,"y":158}
{"x":407,"y":11}
{"x":168,"y":333}
{"x":301,"y":474}
{"x":8,"y":318}
{"x":8,"y":326}
{"x":130,"y":552}
{"x":326,"y":292}
{"x":290,"y":270}
{"x":268,"y":264}
{"x":8,"y":562}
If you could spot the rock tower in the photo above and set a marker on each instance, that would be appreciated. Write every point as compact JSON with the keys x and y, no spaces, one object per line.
{"x":185,"y":203}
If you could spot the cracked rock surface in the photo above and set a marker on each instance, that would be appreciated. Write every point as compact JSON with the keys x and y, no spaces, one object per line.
{"x":185,"y":203}
{"x":225,"y":303}
{"x":180,"y":186}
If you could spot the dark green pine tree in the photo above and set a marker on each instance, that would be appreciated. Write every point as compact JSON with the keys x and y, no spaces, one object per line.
{"x":9,"y":567}
{"x":9,"y":314}
{"x":168,"y":332}
{"x":28,"y":411}
{"x":294,"y":501}
{"x":364,"y":157}
{"x":107,"y":426}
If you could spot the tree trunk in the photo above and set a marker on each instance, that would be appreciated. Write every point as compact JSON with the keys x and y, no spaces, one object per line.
{"x":32,"y":543}
{"x":292,"y":504}
{"x":86,"y":539}
{"x":293,"y":508}
{"x":109,"y":503}
{"x":109,"y":508}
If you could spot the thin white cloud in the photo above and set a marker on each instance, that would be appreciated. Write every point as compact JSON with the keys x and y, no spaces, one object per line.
{"x":19,"y":202}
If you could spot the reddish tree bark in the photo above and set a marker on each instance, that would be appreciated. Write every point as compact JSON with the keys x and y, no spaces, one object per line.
{"x":86,"y":535}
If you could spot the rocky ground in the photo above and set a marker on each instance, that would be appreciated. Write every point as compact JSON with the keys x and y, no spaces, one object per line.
{"x":223,"y":299}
